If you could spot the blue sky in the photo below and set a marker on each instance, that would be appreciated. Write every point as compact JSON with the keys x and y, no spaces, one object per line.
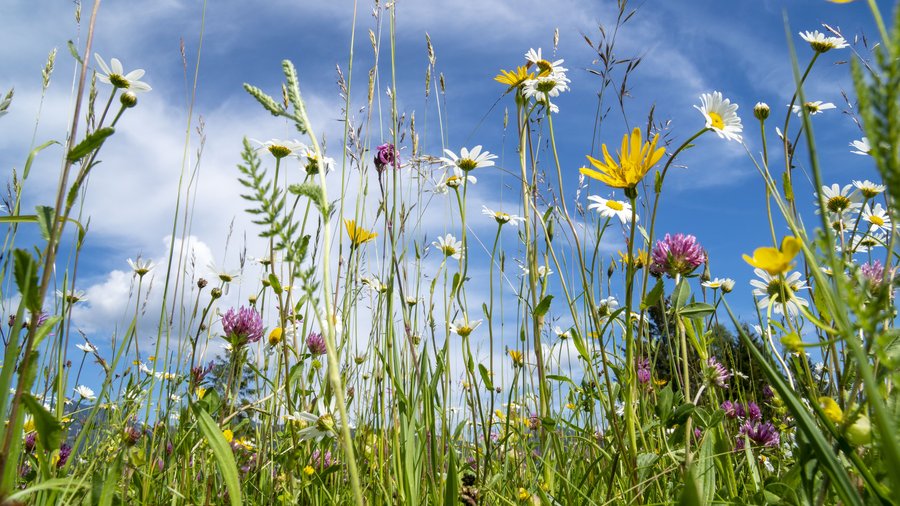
{"x":687,"y":48}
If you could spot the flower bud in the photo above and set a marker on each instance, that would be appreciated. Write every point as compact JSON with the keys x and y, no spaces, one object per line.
{"x":128,"y":99}
{"x":761,"y":111}
{"x":216,"y":293}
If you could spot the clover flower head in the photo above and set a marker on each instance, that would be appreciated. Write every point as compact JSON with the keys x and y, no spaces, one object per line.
{"x":675,"y":255}
{"x":242,"y":326}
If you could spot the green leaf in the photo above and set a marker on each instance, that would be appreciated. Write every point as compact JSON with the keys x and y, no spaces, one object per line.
{"x":690,"y":494}
{"x":313,"y":192}
{"x":663,"y":406}
{"x":45,"y":216}
{"x":705,"y":466}
{"x":27,"y":279}
{"x":61,"y":485}
{"x":110,"y":483}
{"x":486,"y":377}
{"x":276,"y":285}
{"x":92,"y":142}
{"x":543,"y":306}
{"x":50,"y":432}
{"x":222,"y":452}
{"x":451,"y":488}
{"x":74,"y":51}
{"x":681,"y":294}
{"x":652,"y":297}
{"x":697,"y":310}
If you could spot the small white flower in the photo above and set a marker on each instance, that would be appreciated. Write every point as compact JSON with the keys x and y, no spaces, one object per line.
{"x":820,"y":43}
{"x":115,"y":75}
{"x":562,"y":334}
{"x":500,"y":217}
{"x":85,"y":393}
{"x":72,"y":296}
{"x":726,"y":284}
{"x":464,"y":327}
{"x":468,"y":160}
{"x":721,"y":116}
{"x":86,"y":347}
{"x":226,"y":276}
{"x":840,"y":200}
{"x":813,"y":108}
{"x":175,"y":398}
{"x":861,"y":147}
{"x":869,"y":189}
{"x":449,"y":246}
{"x":544,"y":67}
{"x":281,"y":148}
{"x":609,"y":208}
{"x":140,"y":267}
{"x":455,"y":180}
{"x":877,"y":217}
{"x":779,"y":292}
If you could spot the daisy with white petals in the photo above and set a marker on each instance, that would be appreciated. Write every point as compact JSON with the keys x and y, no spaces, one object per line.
{"x":85,"y":393}
{"x":449,"y":246}
{"x":500,"y":217}
{"x":820,"y":43}
{"x":813,"y":108}
{"x":114,"y":74}
{"x":779,"y":292}
{"x":861,"y":147}
{"x":721,"y":116}
{"x":609,"y":208}
{"x":869,"y":189}
{"x":468,"y":160}
{"x":877,"y":217}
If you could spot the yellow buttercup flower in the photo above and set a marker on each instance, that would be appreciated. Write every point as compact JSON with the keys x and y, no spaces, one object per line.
{"x":636,"y":158}
{"x":275,"y":336}
{"x":773,"y":260}
{"x":358,"y":235}
{"x":517,"y":358}
{"x":229,"y":436}
{"x":514,"y":78}
{"x":832,"y":410}
{"x":309,"y":470}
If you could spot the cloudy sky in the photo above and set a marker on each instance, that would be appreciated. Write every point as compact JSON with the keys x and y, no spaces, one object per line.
{"x":685,"y":48}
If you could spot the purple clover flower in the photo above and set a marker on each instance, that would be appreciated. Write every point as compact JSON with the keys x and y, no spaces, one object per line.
{"x":315,"y":343}
{"x":677,"y":255}
{"x":322,"y":460}
{"x":730,"y":409}
{"x":873,"y":272}
{"x":64,"y":452}
{"x":753,"y":412}
{"x":30,"y":440}
{"x":242,"y":326}
{"x":643,"y":370}
{"x":768,"y":393}
{"x":385,"y":155}
{"x":716,"y":373}
{"x":759,"y":434}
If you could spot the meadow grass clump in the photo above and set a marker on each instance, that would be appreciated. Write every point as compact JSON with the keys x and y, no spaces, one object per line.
{"x":368,"y":357}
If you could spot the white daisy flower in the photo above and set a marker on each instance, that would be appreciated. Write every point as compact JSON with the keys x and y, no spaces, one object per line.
{"x":223,"y":275}
{"x":86,"y":347}
{"x":726,"y":284}
{"x":545,"y":67}
{"x":840,"y":200}
{"x":175,"y":398}
{"x":865,"y":243}
{"x":861,"y":147}
{"x":325,"y":424}
{"x":869,"y":189}
{"x":140,"y":267}
{"x":85,"y":393}
{"x":610,"y":303}
{"x":468,"y":160}
{"x":500,"y":217}
{"x":114,"y":74}
{"x":455,"y":180}
{"x":779,"y":292}
{"x":312,"y":162}
{"x":547,"y":86}
{"x":820,"y":43}
{"x":721,"y":116}
{"x":72,"y":296}
{"x":877,"y":217}
{"x":609,"y":208}
{"x":562,"y":334}
{"x":813,"y":108}
{"x":280,"y":148}
{"x":464,"y":327}
{"x":449,"y":246}
{"x":374,"y":284}
{"x":542,"y":271}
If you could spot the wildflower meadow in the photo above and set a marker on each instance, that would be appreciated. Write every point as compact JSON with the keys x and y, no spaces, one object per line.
{"x":450,"y":253}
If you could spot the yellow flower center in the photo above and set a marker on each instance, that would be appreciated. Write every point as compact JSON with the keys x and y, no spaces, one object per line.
{"x":544,"y":66}
{"x":279,"y":151}
{"x":876,"y":220}
{"x":466,"y":164}
{"x":838,"y":204}
{"x":119,"y":81}
{"x":614,"y":205}
{"x":716,"y":120}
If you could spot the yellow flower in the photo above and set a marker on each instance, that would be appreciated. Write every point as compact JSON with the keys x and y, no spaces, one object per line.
{"x":641,"y":258}
{"x":275,"y":336}
{"x":200,"y":391}
{"x":775,"y":261}
{"x":308,"y":470}
{"x":832,"y":410}
{"x":636,"y":158}
{"x":514,"y":78}
{"x":358,"y":235}
{"x":517,"y":358}
{"x":229,"y":436}
{"x":29,"y":425}
{"x":523,"y":494}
